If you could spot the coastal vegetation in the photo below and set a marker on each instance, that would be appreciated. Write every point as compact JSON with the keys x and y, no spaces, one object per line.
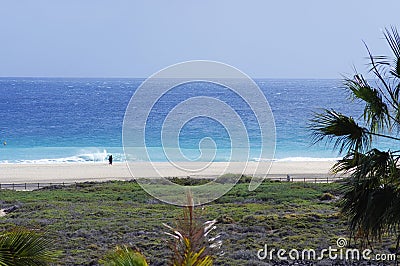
{"x":371,"y":193}
{"x":89,"y":220}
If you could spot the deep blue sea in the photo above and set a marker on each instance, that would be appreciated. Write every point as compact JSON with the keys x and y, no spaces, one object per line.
{"x":80,"y":120}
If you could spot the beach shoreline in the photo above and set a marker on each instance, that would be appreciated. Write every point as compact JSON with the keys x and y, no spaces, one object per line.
{"x":83,"y":172}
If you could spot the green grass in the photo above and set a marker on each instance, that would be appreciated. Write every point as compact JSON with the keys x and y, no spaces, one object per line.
{"x":89,"y":219}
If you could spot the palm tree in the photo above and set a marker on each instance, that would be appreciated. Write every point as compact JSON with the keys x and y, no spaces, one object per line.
{"x":22,"y":247}
{"x":371,"y":192}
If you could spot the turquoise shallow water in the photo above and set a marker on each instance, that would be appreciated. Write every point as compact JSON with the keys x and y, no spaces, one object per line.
{"x":80,"y":120}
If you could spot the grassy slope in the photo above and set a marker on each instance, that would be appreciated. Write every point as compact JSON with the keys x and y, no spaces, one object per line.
{"x":92,"y":218}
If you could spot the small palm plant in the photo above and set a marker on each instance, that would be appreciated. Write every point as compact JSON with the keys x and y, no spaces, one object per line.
{"x":191,"y":242}
{"x":124,"y":256}
{"x":21,"y":247}
{"x":371,"y":198}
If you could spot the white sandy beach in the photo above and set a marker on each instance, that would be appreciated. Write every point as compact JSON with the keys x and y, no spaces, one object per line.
{"x":80,"y":172}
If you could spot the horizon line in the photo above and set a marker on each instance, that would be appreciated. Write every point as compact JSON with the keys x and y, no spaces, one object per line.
{"x":116,"y":77}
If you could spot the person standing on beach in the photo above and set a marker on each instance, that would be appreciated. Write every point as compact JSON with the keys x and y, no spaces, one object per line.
{"x":110,"y":159}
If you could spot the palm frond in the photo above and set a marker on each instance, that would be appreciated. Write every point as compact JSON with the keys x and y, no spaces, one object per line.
{"x":379,"y":63}
{"x":379,"y":70}
{"x":369,"y":193}
{"x":25,"y":247}
{"x":396,"y":71}
{"x":393,"y":38}
{"x":348,"y":163}
{"x":343,"y":131}
{"x":376,"y":112}
{"x":124,"y":256}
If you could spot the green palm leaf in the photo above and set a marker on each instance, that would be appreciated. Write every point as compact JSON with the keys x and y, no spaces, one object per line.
{"x":393,"y":39}
{"x":124,"y":256}
{"x":376,"y":112}
{"x":23,"y":247}
{"x":343,"y":131}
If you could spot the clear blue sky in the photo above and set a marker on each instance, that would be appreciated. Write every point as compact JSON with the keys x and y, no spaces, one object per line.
{"x":131,"y":38}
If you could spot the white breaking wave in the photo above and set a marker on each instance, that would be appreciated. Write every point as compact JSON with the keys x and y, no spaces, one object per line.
{"x":298,"y":159}
{"x":85,"y":157}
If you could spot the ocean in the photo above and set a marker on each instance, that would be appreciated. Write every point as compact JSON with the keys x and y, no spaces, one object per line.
{"x":64,"y":120}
